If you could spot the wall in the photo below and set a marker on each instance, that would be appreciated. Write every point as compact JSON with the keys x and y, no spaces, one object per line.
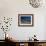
{"x":11,"y":8}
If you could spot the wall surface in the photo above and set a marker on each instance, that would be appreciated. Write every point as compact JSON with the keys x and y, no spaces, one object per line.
{"x":11,"y":8}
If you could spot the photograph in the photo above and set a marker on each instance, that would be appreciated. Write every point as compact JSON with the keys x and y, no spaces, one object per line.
{"x":25,"y":20}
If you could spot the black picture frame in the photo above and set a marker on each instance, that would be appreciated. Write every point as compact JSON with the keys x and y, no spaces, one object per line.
{"x":26,"y":20}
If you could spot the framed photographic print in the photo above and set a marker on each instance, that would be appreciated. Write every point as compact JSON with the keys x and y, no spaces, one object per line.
{"x":25,"y":20}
